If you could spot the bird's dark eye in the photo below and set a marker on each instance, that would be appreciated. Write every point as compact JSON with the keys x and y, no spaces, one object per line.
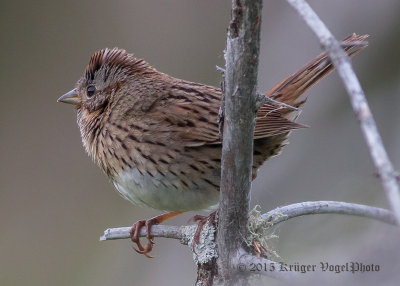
{"x":91,"y":89}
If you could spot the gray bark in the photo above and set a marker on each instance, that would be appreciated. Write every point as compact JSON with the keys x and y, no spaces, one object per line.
{"x":241,"y":56}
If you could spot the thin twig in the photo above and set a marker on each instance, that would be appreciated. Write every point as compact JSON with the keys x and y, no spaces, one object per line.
{"x":263,"y":99}
{"x":285,"y":213}
{"x":220,"y":69}
{"x":167,"y":231}
{"x":358,"y":102}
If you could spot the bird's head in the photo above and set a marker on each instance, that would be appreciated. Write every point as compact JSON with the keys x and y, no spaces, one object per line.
{"x":106,"y":75}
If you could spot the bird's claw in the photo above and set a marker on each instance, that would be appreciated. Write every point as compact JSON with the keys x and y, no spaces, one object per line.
{"x":135,"y":233}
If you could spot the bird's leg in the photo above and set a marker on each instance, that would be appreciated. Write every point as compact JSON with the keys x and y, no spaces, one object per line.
{"x":137,"y":226}
{"x":260,"y":250}
{"x":202,"y":220}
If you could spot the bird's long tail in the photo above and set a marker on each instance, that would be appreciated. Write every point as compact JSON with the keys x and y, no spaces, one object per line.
{"x":273,"y":119}
{"x":291,"y":88}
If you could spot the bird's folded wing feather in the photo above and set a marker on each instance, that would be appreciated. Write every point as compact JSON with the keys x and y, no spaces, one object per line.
{"x":194,"y":118}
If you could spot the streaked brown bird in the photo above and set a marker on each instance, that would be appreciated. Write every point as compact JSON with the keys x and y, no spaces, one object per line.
{"x":157,"y":137}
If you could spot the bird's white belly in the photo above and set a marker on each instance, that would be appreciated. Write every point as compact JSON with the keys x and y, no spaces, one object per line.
{"x":170,"y":194}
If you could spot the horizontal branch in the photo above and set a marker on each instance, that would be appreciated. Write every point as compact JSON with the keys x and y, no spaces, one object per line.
{"x":167,"y":231}
{"x":358,"y":101}
{"x":274,"y":216}
{"x":285,"y":213}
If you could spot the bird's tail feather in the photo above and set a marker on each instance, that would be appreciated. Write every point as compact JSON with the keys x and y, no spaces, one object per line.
{"x":291,"y":88}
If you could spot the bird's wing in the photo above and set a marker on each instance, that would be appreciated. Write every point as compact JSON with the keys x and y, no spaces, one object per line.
{"x":190,"y":112}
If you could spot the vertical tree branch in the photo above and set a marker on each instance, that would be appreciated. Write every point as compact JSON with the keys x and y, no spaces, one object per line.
{"x":241,"y":56}
{"x":359,"y":103}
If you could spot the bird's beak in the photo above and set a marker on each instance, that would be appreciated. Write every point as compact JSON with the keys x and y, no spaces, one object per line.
{"x":71,"y":97}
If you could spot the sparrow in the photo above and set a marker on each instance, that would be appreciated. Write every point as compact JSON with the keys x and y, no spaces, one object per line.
{"x":157,"y":137}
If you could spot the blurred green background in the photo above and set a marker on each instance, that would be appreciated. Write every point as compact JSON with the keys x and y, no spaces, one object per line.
{"x":55,"y":203}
